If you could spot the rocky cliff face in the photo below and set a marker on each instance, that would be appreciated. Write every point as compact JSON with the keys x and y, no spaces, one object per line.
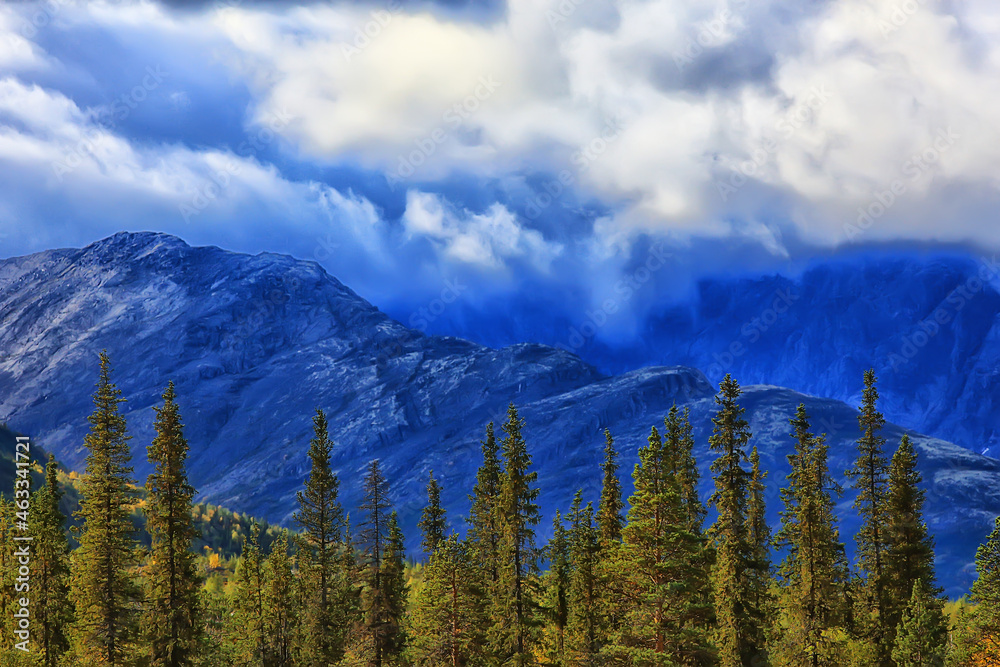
{"x":256,"y":343}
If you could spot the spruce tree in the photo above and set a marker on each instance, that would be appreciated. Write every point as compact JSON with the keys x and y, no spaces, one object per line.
{"x":869,"y":478}
{"x":448,"y":617}
{"x":922,"y":635}
{"x":983,"y":626}
{"x":811,"y":612}
{"x":585,"y":630}
{"x":513,"y":613}
{"x":758,"y":574}
{"x":610,"y":510}
{"x":484,"y":516}
{"x":433,"y":523}
{"x":910,"y":547}
{"x":381,"y":624}
{"x":321,"y":517}
{"x":248,"y":627}
{"x":680,"y":439}
{"x":736,"y":632}
{"x":103,"y":587}
{"x":555,"y":584}
{"x":51,"y":609}
{"x":663,"y":566}
{"x":172,"y":619}
{"x":395,"y":592}
{"x":279,"y":618}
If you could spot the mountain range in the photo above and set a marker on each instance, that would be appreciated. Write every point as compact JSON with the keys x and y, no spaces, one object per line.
{"x":256,"y":343}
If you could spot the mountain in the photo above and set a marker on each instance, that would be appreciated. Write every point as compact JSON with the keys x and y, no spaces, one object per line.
{"x":928,"y":323}
{"x":256,"y":343}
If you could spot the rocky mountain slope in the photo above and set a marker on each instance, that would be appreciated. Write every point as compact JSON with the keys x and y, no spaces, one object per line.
{"x":256,"y":343}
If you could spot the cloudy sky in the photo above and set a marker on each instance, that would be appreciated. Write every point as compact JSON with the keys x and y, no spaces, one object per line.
{"x":528,"y":152}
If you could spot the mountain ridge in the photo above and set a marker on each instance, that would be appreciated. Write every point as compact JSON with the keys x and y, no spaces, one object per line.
{"x":255,"y":343}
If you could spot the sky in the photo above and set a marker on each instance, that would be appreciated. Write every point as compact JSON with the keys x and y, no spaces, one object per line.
{"x":528,"y":156}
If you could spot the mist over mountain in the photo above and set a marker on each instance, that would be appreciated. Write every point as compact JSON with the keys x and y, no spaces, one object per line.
{"x":256,"y":343}
{"x":928,"y":324}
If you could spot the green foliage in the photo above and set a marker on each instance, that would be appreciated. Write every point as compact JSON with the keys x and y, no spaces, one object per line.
{"x":247,"y":627}
{"x":555,"y":591}
{"x":280,"y":612}
{"x":50,"y":602}
{"x":611,"y":509}
{"x":433,"y":523}
{"x":103,"y":583}
{"x":735,"y":634}
{"x":484,"y":515}
{"x":869,"y":478}
{"x":922,"y":632}
{"x":171,"y":622}
{"x":513,"y":612}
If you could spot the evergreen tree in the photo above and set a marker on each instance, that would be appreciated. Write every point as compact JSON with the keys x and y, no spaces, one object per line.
{"x":758,"y":573}
{"x":585,"y":630}
{"x":611,"y":508}
{"x":681,"y":442}
{"x":103,"y":588}
{"x":448,"y":617}
{"x":663,"y":564}
{"x":555,"y":583}
{"x":381,"y":619}
{"x":279,"y":614}
{"x":172,"y":620}
{"x":736,"y":632}
{"x":51,"y":609}
{"x":321,"y":517}
{"x":248,"y":627}
{"x":514,"y":608}
{"x":814,"y":573}
{"x":395,"y":592}
{"x":433,"y":523}
{"x":923,"y":632}
{"x":869,"y":478}
{"x":484,"y":516}
{"x":983,"y":626}
{"x":910,"y":547}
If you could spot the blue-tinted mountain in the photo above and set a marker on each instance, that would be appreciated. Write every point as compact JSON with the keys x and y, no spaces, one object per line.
{"x":256,"y":343}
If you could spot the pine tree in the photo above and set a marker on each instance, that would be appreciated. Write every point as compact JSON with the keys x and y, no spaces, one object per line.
{"x":103,"y":588}
{"x":869,"y":478}
{"x":611,"y":508}
{"x":321,"y":517}
{"x":514,"y":607}
{"x":433,"y":523}
{"x":736,"y":633}
{"x":555,"y":583}
{"x":910,"y":548}
{"x":279,"y":617}
{"x":585,"y":630}
{"x":923,"y":632}
{"x":248,"y":628}
{"x":484,"y":516}
{"x":814,"y":573}
{"x":172,"y":619}
{"x":448,"y":617}
{"x":51,"y":609}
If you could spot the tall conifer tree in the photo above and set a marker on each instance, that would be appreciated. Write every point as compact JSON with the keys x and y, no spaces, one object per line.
{"x":869,"y":478}
{"x":585,"y":629}
{"x":484,"y":516}
{"x":280,"y":615}
{"x":172,"y":620}
{"x":735,"y":630}
{"x":610,"y":510}
{"x":51,"y":609}
{"x":103,"y":587}
{"x":321,"y":517}
{"x":514,"y":606}
{"x":433,"y":522}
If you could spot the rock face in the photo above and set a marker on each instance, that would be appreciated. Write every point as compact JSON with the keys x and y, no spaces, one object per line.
{"x":256,"y":343}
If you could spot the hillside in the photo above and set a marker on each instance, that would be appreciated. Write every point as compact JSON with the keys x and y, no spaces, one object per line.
{"x":256,"y":343}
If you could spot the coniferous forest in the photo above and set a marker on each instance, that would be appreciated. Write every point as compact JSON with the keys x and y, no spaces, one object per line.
{"x":659,"y":578}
